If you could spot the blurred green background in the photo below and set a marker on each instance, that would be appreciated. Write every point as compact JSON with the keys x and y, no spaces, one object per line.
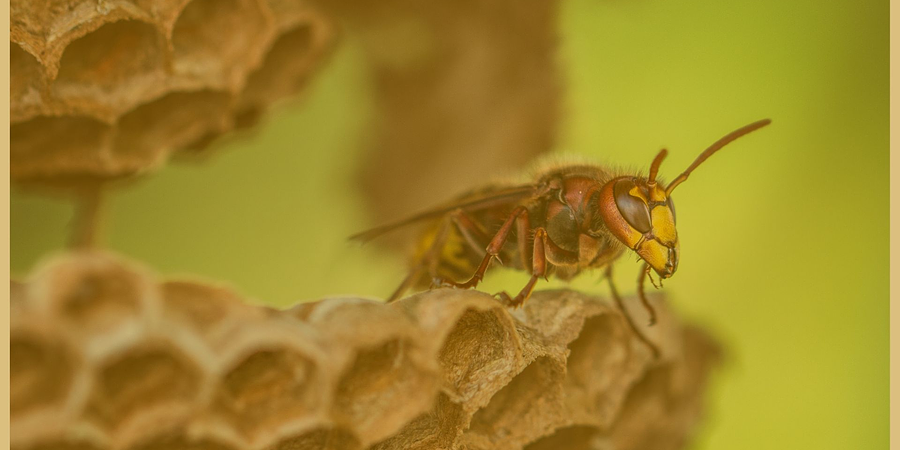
{"x":784,"y":234}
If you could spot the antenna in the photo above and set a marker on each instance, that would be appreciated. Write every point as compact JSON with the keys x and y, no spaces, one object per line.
{"x":712,"y":149}
{"x":654,"y":167}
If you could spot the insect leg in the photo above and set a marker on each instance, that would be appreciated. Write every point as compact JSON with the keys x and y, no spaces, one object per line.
{"x":523,"y":229}
{"x":645,"y":273}
{"x":539,"y":264}
{"x":428,"y":260}
{"x":493,"y":249}
{"x":473,"y":233}
{"x":621,"y":305}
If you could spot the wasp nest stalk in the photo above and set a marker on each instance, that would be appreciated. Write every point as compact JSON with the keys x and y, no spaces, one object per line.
{"x":87,"y":219}
{"x":105,"y":356}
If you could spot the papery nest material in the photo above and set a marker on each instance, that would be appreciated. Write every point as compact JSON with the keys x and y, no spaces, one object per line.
{"x":106,"y":90}
{"x":105,"y":356}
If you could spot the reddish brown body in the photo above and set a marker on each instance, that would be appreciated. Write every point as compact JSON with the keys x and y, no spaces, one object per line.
{"x":560,"y":204}
{"x":570,"y":218}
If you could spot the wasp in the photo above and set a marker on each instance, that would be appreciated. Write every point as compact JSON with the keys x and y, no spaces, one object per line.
{"x":568,"y":219}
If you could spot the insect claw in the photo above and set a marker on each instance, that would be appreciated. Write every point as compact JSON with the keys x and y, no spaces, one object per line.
{"x":497,"y":258}
{"x":508,"y":301}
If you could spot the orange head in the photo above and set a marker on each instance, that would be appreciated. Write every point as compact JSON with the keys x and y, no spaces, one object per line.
{"x":639,"y":211}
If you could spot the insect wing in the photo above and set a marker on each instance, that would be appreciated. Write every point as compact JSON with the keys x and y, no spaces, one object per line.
{"x":492,"y":199}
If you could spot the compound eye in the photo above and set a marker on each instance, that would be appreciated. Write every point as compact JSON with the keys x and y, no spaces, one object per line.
{"x":632,"y":208}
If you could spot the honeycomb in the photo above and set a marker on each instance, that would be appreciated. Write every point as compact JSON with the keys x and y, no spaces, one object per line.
{"x":104,"y":89}
{"x":104,"y":355}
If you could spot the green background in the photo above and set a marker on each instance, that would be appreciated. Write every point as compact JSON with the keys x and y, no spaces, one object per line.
{"x":784,"y":234}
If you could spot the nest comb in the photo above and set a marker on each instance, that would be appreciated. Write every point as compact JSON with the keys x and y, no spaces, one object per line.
{"x":103,"y":89}
{"x":105,"y":356}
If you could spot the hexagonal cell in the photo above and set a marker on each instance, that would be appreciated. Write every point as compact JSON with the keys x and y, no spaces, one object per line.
{"x":219,"y":39}
{"x":578,"y":437}
{"x":115,"y":53}
{"x":202,"y":308}
{"x":50,"y":146}
{"x":479,"y":349}
{"x":600,"y":367}
{"x":111,"y":68}
{"x":93,"y":295}
{"x":25,"y":83}
{"x":268,"y":387}
{"x":382,"y":389}
{"x":594,"y":349}
{"x":284,"y":70}
{"x":437,"y":428}
{"x":41,"y":372}
{"x":319,"y":439}
{"x":151,"y":375}
{"x":526,"y":408}
{"x":148,"y":133}
{"x":663,"y":408}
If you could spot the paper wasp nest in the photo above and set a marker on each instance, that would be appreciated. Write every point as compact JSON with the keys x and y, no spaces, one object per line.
{"x":105,"y":356}
{"x":108,"y":88}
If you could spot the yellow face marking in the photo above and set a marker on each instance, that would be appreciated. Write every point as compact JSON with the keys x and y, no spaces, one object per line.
{"x":637,"y":192}
{"x":661,"y":218}
{"x":654,"y":253}
{"x":644,"y":221}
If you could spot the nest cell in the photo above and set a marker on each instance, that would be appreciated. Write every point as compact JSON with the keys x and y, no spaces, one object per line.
{"x":283,"y":71}
{"x":65,"y":145}
{"x":41,"y":372}
{"x":149,"y":132}
{"x":215,"y":39}
{"x":434,"y":429}
{"x":93,"y":294}
{"x":601,"y":367}
{"x":110,"y":69}
{"x":478,"y":351}
{"x":526,"y":407}
{"x":267,"y":387}
{"x":141,"y":378}
{"x":382,"y":389}
{"x":202,"y":308}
